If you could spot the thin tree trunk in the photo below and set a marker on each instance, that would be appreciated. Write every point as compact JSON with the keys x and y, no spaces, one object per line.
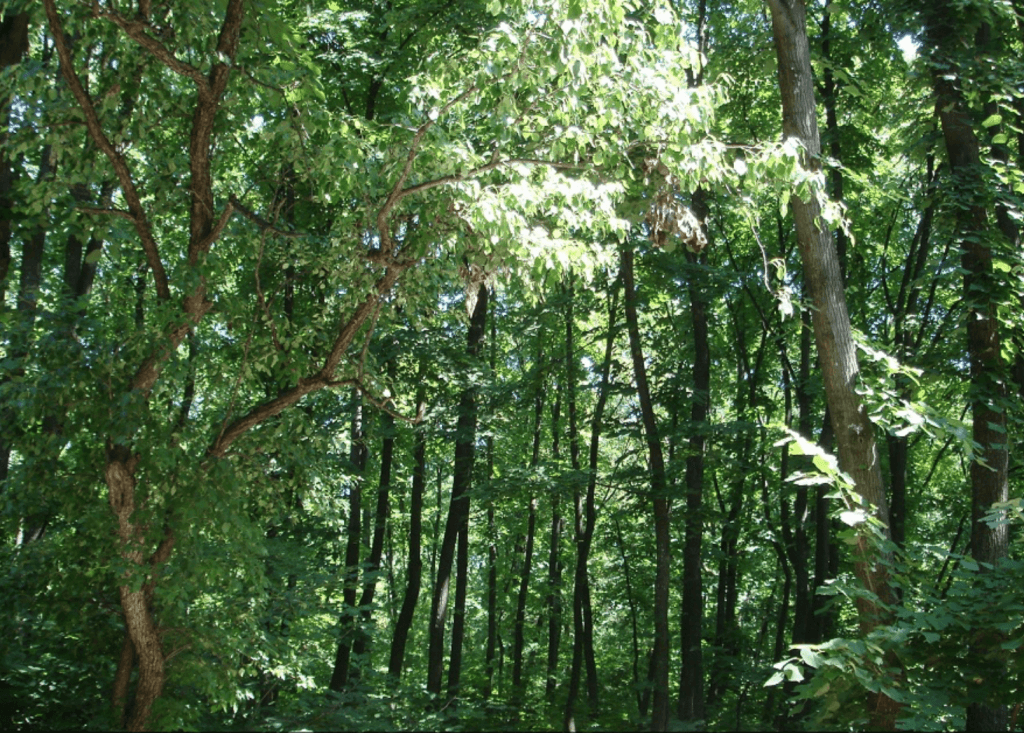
{"x":492,"y":546}
{"x":659,"y":497}
{"x":458,"y":509}
{"x":553,"y":602}
{"x":459,"y":612}
{"x":354,"y":530}
{"x":414,"y":570}
{"x":642,"y":697}
{"x":371,"y":567}
{"x":519,"y":633}
{"x":585,"y":511}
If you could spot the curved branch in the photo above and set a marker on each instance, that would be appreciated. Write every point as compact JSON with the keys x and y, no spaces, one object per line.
{"x":323,"y":378}
{"x":124,"y":176}
{"x":136,"y":30}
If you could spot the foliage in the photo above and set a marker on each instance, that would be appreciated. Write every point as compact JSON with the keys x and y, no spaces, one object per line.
{"x":520,"y":145}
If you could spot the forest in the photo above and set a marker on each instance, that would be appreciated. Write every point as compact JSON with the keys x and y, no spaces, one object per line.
{"x":382,"y":365}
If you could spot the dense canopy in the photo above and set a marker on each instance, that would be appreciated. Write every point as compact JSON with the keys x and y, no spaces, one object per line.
{"x":533,"y":365}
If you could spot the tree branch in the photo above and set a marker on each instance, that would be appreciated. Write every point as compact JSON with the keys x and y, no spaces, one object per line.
{"x":136,"y":30}
{"x":262,"y":223}
{"x":124,"y":176}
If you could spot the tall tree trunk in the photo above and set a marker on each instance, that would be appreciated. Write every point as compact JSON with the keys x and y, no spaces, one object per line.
{"x":642,"y":697}
{"x":354,"y":530}
{"x":13,"y":46}
{"x":989,"y":476}
{"x":492,"y":545}
{"x":659,"y":497}
{"x":458,"y":509}
{"x":585,"y":512}
{"x":371,"y":567}
{"x":553,"y":601}
{"x":519,"y":629}
{"x":854,"y":433}
{"x":414,"y":570}
{"x":459,"y":612}
{"x":691,"y":673}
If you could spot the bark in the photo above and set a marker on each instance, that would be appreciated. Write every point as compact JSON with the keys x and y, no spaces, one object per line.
{"x":989,"y":481}
{"x":855,"y":436}
{"x":458,"y":510}
{"x":492,"y":546}
{"x":585,"y":515}
{"x":13,"y":47}
{"x":519,"y":632}
{"x":372,"y":563}
{"x":553,"y":602}
{"x":519,"y":628}
{"x":415,"y":566}
{"x":830,"y":93}
{"x":459,"y":612}
{"x":642,"y":695}
{"x":659,"y":498}
{"x":354,"y":531}
{"x":691,"y":674}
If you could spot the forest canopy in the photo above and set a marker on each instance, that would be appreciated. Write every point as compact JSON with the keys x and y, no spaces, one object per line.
{"x":534,"y":365}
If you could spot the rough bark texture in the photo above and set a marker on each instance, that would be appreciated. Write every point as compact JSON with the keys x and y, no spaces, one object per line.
{"x":660,"y":501}
{"x":855,"y":436}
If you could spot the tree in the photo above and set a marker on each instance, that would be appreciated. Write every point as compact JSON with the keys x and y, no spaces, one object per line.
{"x":855,"y":436}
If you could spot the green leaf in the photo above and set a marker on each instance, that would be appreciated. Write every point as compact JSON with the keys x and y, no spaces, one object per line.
{"x":992,"y":120}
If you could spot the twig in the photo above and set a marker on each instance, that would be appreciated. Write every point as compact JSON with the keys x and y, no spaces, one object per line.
{"x":262,"y":223}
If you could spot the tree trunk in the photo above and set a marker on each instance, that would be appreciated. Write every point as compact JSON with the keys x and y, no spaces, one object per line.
{"x":458,"y":509}
{"x":13,"y":47}
{"x":854,"y":433}
{"x":415,"y":567}
{"x":642,"y":697}
{"x":519,"y":633}
{"x":989,"y":480}
{"x":585,"y":512}
{"x":553,"y":601}
{"x":659,"y":497}
{"x":371,"y":567}
{"x":354,"y":529}
{"x":459,"y":612}
{"x":691,"y":673}
{"x":492,"y":546}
